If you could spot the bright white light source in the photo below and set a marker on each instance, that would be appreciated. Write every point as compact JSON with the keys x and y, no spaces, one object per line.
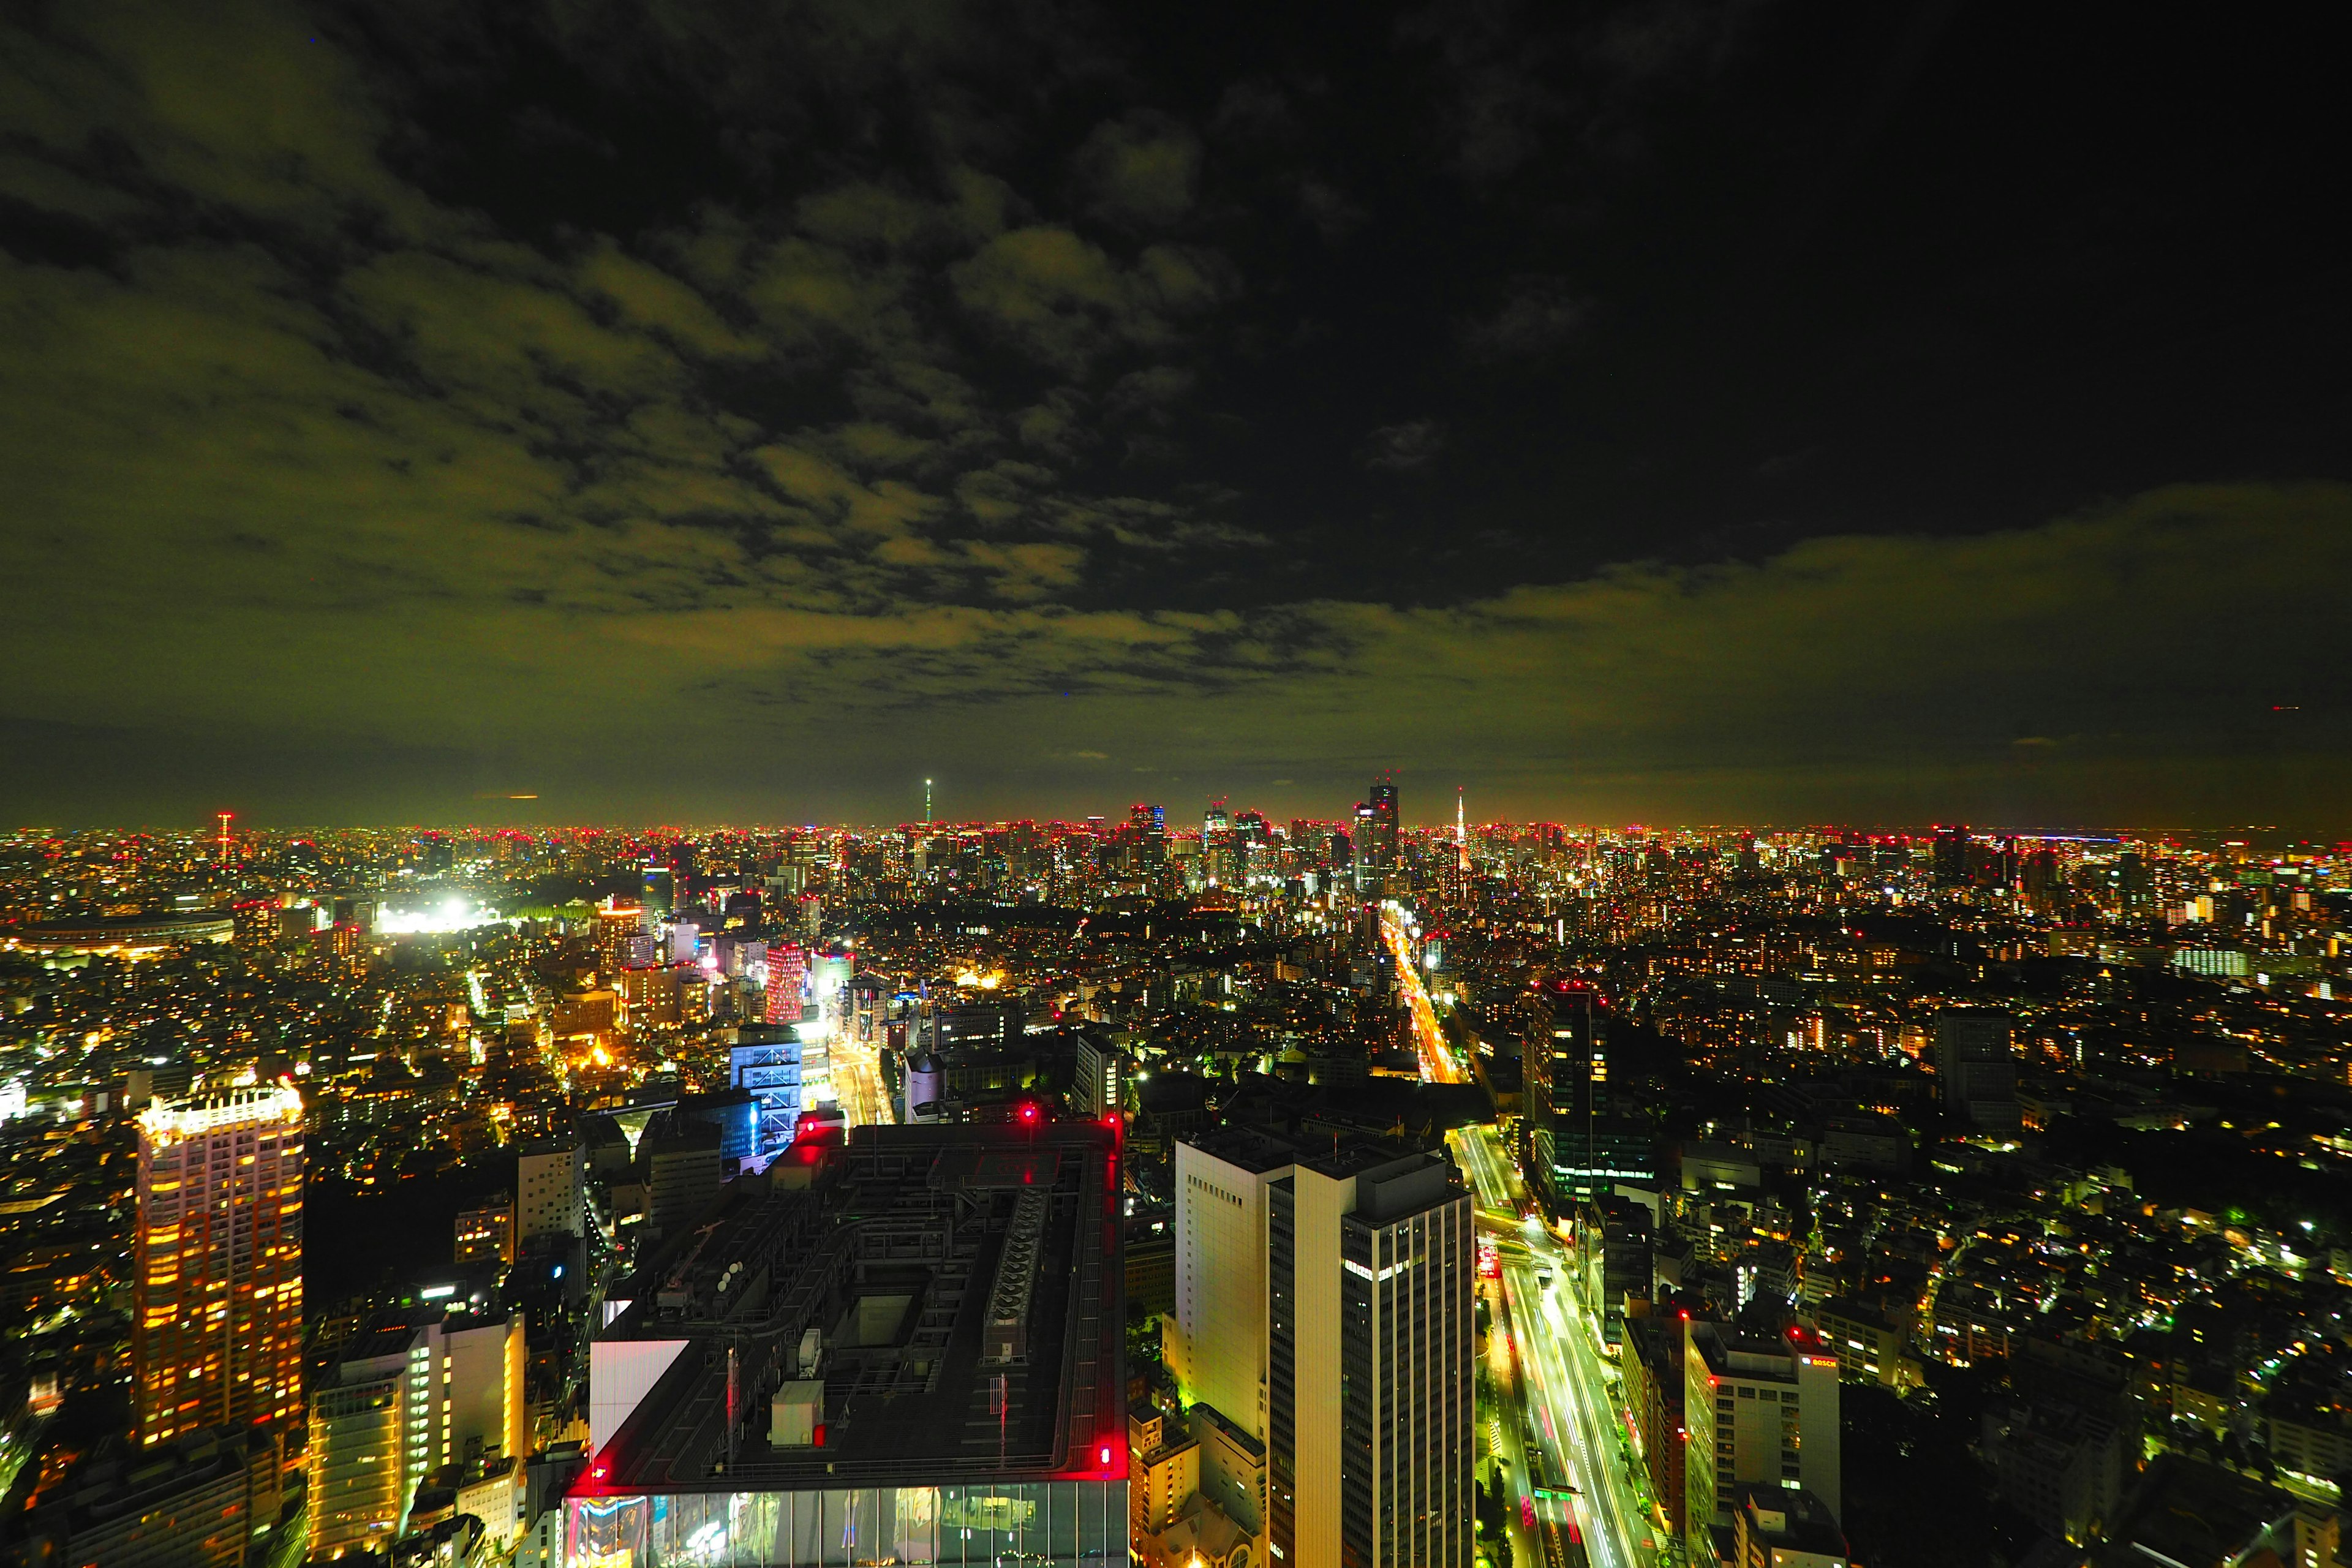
{"x":451,"y":914}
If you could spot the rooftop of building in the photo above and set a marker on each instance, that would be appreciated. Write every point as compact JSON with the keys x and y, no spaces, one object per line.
{"x":1792,"y":1519}
{"x":1330,"y":1152}
{"x":1756,"y":1358}
{"x":906,"y":1251}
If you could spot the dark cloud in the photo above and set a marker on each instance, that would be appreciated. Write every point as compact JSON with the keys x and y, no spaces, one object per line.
{"x":1399,"y":449}
{"x":414,"y":399}
{"x":1540,"y":315}
{"x":1142,"y":169}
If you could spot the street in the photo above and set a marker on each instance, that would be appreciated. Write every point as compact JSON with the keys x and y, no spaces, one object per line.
{"x":857,"y":1082}
{"x":1438,"y":1062}
{"x":1561,"y":1391}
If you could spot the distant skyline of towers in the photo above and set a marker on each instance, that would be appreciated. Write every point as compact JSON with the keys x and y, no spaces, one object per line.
{"x":217,"y":1340}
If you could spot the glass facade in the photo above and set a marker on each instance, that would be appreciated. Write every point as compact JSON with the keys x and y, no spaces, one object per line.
{"x":1043,"y":1524}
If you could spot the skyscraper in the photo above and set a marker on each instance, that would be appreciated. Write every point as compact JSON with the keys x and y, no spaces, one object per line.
{"x":787,"y":972}
{"x":1575,"y":1149}
{"x":1323,"y":1303}
{"x":217,"y":1262}
{"x":1377,"y":847}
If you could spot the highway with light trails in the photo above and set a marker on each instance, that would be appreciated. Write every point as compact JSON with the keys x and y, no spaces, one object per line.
{"x":1563,"y":1385}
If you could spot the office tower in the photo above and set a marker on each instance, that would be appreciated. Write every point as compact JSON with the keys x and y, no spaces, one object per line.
{"x":1380,"y":849}
{"x":1324,"y":1294}
{"x":217,"y":1262}
{"x":549,"y":1176}
{"x":622,"y":938}
{"x":796,"y":1382}
{"x":1951,"y":856}
{"x":1575,"y":1147}
{"x":1098,"y":1086}
{"x":1148,"y":827}
{"x":1219,"y":1348}
{"x":787,"y":975}
{"x":1976,"y":1068}
{"x":486,"y":1234}
{"x":1766,"y":1410}
{"x":418,"y":1393}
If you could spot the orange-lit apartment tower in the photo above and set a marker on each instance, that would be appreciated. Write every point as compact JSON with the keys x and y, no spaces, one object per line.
{"x":218,"y":1255}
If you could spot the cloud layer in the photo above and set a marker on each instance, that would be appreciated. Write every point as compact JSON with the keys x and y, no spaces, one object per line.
{"x":340,"y":484}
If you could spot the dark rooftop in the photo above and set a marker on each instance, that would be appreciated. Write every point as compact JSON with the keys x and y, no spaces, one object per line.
{"x":964,"y":1287}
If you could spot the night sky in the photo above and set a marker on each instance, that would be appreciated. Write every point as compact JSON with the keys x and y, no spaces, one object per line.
{"x":1666,"y":411}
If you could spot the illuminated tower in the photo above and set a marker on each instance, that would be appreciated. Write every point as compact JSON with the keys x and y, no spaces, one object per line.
{"x":217,"y":1262}
{"x":1383,"y":826}
{"x":787,"y":972}
{"x":227,"y":845}
{"x":1461,"y":830}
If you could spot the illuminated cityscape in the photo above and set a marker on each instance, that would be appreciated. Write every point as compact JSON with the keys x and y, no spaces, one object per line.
{"x":1575,"y":1195}
{"x":1450,"y":783}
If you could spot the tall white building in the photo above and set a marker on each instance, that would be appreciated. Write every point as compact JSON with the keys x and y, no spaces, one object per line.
{"x":415,"y":1395}
{"x":1765,"y":1412}
{"x":1219,"y":1349}
{"x":1329,"y":1291}
{"x":549,"y":1196}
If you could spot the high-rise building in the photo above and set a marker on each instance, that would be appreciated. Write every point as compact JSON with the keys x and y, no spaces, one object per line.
{"x":550,"y":1179}
{"x":1655,"y":1378}
{"x":1326,"y":1295}
{"x":1099,"y":1087}
{"x":1976,"y":1068}
{"x":1372,"y":1443}
{"x":418,"y":1392}
{"x":787,"y":979}
{"x":1379,"y":850}
{"x":1575,"y":1148}
{"x":1148,"y":827}
{"x":794,"y":1381}
{"x":217,"y":1262}
{"x":1766,"y":1410}
{"x":1951,"y":856}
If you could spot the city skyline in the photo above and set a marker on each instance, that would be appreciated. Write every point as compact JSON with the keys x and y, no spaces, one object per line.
{"x":1670,"y":412}
{"x":1499,"y":1195}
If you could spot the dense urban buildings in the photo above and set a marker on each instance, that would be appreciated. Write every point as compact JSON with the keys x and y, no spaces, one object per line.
{"x":1080,"y":1191}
